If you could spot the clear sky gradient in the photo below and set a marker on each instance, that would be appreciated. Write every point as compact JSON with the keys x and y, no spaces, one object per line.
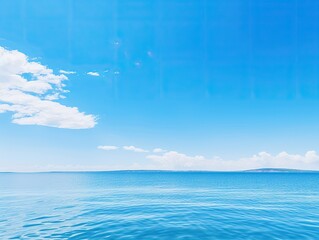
{"x":217,"y":85}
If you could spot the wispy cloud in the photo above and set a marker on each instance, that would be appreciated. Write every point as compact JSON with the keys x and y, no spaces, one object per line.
{"x":134,"y":149}
{"x":95,"y":74}
{"x":158,"y":150}
{"x":173,"y":160}
{"x":126,"y":148}
{"x":28,"y":90}
{"x":67,"y":72}
{"x":107,"y":148}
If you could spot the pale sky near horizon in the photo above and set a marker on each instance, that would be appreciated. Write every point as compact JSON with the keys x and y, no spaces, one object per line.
{"x":158,"y":84}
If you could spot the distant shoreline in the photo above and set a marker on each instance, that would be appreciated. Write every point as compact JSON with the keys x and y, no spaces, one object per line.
{"x":258,"y":170}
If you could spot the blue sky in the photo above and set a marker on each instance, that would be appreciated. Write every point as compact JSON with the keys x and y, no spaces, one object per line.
{"x":216,"y":84}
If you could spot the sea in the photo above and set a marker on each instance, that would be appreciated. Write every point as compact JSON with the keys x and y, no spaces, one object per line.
{"x":159,"y":205}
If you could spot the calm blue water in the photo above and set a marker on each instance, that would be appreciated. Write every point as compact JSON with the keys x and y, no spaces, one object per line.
{"x":159,"y":205}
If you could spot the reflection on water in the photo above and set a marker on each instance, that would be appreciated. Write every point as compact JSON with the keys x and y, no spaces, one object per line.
{"x":159,"y":205}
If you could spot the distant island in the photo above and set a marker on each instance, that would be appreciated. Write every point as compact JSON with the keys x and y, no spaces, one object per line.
{"x":277,"y":170}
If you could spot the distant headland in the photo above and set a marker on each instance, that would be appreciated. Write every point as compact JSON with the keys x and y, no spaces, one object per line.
{"x":278,"y":170}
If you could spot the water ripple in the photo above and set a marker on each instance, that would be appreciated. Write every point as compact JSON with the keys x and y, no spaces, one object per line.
{"x":163,"y":206}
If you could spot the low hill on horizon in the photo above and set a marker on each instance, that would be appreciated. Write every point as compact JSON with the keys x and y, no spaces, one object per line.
{"x":278,"y":170}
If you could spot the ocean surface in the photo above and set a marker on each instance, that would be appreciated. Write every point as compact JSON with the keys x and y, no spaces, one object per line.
{"x":159,"y":205}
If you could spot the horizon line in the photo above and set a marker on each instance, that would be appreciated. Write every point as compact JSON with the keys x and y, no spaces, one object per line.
{"x":258,"y":170}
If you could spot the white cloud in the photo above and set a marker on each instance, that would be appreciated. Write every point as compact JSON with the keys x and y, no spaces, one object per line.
{"x":158,"y":150}
{"x":178,"y":161}
{"x":54,"y":96}
{"x":107,"y":148}
{"x":173,"y":160}
{"x":27,"y":89}
{"x":134,"y":149}
{"x":95,"y":74}
{"x":67,"y":72}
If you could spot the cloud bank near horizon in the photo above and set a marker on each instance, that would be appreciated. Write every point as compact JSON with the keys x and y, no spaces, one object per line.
{"x":29,"y":90}
{"x":173,"y":160}
{"x":160,"y":159}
